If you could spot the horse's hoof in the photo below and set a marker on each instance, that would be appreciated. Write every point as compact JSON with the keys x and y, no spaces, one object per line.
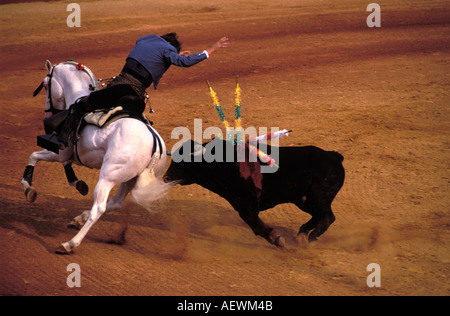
{"x":63,"y":249}
{"x":74,"y":224}
{"x":79,"y":221}
{"x":82,"y":187}
{"x":30,"y":194}
{"x":117,"y":241}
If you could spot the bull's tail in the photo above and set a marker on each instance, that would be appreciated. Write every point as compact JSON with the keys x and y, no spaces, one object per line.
{"x":149,"y":189}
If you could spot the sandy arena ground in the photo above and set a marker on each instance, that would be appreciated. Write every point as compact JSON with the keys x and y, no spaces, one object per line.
{"x":380,"y":96}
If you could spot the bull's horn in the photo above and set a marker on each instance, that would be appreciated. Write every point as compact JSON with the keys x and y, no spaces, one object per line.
{"x":198,"y":150}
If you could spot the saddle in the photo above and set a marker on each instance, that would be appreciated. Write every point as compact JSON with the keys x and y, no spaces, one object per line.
{"x":129,"y":106}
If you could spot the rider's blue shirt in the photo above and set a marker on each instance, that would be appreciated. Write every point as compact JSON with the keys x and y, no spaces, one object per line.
{"x":157,"y":55}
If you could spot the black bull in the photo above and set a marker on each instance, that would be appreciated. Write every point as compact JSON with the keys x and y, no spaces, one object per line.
{"x":307,"y":176}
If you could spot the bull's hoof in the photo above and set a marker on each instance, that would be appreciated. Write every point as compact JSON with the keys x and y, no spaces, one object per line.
{"x":279,"y":242}
{"x":64,"y":249}
{"x":276,"y":239}
{"x":82,"y":187}
{"x":30,"y":194}
{"x":305,"y":242}
{"x":303,"y":238}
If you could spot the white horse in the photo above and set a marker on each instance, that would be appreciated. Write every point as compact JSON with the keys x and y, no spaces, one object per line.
{"x":124,"y":151}
{"x":58,"y":100}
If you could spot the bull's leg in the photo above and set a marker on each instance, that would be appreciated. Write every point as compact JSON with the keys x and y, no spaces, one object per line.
{"x":306,"y":205}
{"x":322,"y":225}
{"x":261,"y":229}
{"x":308,"y":226}
{"x":319,"y":199}
{"x":322,"y":218}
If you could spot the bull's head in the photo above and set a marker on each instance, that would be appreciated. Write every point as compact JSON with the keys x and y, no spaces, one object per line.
{"x":192,"y":162}
{"x":213,"y":162}
{"x":183,"y":168}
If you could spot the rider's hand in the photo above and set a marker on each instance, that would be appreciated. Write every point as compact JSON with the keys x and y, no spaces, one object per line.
{"x":223,"y":42}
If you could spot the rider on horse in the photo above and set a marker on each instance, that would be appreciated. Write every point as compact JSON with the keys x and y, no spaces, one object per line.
{"x":147,"y":62}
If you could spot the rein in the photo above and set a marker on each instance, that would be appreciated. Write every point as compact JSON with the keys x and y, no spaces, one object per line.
{"x":36,"y":92}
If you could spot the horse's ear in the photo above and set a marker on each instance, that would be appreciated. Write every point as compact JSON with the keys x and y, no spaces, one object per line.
{"x":48,"y":65}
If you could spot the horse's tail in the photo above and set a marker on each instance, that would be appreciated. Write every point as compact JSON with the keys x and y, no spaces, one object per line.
{"x":148,"y":189}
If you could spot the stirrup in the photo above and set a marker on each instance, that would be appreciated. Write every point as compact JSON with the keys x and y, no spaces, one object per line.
{"x":50,"y":142}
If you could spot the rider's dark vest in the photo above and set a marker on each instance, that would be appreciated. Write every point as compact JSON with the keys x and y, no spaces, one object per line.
{"x":134,"y":68}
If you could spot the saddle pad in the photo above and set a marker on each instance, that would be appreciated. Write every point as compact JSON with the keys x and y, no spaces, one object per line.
{"x":99,"y":118}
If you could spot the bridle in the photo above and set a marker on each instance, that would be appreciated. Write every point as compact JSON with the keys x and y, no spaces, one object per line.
{"x":79,"y":66}
{"x":52,"y":109}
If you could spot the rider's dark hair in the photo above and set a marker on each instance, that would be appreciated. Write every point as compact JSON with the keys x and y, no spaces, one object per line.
{"x":172,"y":38}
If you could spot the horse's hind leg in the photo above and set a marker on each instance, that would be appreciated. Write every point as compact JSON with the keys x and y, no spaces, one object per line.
{"x":114,"y":203}
{"x":101,"y":193}
{"x":119,"y":238}
{"x":119,"y":198}
{"x":117,"y":202}
{"x":78,"y":221}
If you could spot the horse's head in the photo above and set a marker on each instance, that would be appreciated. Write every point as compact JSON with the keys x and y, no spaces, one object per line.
{"x":55,"y":100}
{"x":64,"y":84}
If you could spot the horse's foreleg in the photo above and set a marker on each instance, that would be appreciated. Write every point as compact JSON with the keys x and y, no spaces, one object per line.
{"x":80,"y":185}
{"x":101,"y":193}
{"x":27,"y":179}
{"x":49,"y":156}
{"x":27,"y":182}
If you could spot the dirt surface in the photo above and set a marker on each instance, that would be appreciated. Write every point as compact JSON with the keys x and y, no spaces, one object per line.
{"x":380,"y":96}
